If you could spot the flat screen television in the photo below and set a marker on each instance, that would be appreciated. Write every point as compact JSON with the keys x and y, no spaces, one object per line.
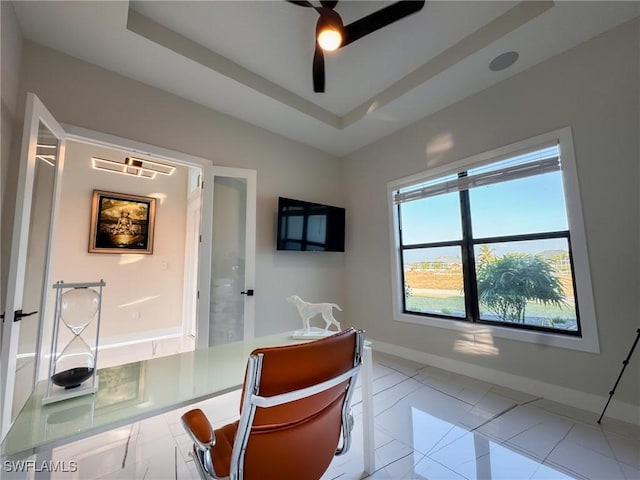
{"x":307,"y":226}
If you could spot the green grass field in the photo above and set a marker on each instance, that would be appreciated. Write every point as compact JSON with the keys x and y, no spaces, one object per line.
{"x":536,"y":313}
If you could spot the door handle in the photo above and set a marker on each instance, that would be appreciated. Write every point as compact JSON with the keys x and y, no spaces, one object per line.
{"x":248,"y":293}
{"x":18,"y":315}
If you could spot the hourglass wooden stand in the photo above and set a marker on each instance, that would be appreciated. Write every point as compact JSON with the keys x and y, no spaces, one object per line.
{"x":74,"y":341}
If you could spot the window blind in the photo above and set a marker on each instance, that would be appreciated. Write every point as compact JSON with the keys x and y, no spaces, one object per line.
{"x":537,"y":162}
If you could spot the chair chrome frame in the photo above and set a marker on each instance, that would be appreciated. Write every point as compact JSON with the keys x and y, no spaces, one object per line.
{"x":252,"y":400}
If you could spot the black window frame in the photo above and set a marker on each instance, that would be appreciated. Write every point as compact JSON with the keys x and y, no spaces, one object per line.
{"x":467,"y":244}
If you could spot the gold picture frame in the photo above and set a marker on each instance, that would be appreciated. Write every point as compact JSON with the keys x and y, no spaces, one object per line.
{"x":121,"y":223}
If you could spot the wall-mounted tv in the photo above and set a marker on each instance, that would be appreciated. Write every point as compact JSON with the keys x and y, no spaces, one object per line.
{"x":307,"y":226}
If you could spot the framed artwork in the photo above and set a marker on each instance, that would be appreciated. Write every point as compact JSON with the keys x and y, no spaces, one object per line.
{"x":121,"y":223}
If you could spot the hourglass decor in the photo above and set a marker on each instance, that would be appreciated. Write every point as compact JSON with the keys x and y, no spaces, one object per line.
{"x":74,"y":343}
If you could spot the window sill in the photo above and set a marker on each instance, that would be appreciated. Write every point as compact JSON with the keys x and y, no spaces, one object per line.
{"x":484,"y":333}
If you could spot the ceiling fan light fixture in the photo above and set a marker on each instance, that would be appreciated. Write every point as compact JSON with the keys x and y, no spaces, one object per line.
{"x":332,"y":33}
{"x":330,"y":39}
{"x":329,"y":28}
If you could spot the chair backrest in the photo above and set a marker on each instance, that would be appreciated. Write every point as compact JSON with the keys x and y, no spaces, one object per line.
{"x":295,"y":405}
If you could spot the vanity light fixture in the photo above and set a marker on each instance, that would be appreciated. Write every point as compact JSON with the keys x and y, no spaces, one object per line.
{"x":137,"y":167}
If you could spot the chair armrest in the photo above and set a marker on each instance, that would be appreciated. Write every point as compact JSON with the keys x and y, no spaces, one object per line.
{"x":198,"y":427}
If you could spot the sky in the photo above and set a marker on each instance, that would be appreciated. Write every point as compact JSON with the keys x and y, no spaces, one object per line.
{"x":528,"y":205}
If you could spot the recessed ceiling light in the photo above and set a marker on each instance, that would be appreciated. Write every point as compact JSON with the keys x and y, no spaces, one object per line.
{"x":504,"y":60}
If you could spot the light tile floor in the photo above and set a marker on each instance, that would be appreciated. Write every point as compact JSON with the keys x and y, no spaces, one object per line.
{"x":429,"y":424}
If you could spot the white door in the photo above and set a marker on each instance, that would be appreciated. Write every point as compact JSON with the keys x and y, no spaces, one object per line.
{"x":227,"y":257}
{"x":28,"y":284}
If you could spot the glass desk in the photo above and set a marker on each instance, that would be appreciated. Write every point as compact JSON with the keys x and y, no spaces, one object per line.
{"x":135,"y":391}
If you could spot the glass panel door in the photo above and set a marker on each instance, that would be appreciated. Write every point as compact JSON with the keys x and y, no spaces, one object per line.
{"x":36,"y":265}
{"x":226,"y":322}
{"x":37,"y":197}
{"x":226,"y":303}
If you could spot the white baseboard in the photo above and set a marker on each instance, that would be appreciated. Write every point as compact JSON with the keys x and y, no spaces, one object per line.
{"x":586,"y":401}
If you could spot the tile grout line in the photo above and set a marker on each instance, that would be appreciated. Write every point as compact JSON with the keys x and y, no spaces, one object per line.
{"x":563,"y":467}
{"x":401,"y":372}
{"x":576,"y":421}
{"x":503,"y":441}
{"x":613,"y":452}
{"x":433,"y":387}
{"x":497,"y":415}
{"x":397,"y":401}
{"x":558,"y":443}
{"x":433,"y":449}
{"x":397,"y":459}
{"x":444,"y":466}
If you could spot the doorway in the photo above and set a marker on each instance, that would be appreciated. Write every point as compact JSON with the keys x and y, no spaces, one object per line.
{"x":211,"y":198}
{"x":194,"y":226}
{"x":147,"y":295}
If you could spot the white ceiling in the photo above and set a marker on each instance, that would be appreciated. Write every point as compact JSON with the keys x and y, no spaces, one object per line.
{"x":252,"y":59}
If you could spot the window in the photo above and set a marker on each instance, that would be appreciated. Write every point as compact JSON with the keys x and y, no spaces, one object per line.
{"x":495,"y":241}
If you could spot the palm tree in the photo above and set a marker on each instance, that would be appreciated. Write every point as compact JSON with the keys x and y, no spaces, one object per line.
{"x":506,"y":283}
{"x":486,"y":254}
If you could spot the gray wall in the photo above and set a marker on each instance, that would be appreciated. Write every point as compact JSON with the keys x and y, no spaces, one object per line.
{"x":10,"y":122}
{"x":85,"y":95}
{"x":594,"y":88}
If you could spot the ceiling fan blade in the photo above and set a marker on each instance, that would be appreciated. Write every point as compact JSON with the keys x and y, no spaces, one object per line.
{"x":329,"y":3}
{"x":302,"y":3}
{"x":318,"y":70}
{"x":379,"y":19}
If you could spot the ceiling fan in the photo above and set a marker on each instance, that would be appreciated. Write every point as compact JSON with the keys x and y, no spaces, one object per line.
{"x":331,"y":33}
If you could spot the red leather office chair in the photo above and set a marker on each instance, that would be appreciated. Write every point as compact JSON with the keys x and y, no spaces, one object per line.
{"x":295,"y":406}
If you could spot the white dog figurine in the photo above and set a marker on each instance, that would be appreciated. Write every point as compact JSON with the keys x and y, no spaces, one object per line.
{"x":309,"y":310}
